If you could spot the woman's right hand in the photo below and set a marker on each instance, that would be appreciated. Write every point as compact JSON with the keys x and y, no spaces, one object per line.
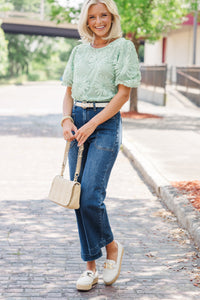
{"x":68,"y":128}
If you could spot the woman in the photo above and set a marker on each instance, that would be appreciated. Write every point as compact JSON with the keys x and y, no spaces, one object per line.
{"x":99,"y":75}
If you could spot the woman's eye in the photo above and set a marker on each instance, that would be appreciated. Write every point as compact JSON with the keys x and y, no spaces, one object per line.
{"x":91,"y":17}
{"x":104,"y":15}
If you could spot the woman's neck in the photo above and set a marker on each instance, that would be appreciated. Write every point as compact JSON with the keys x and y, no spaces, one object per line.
{"x":99,"y":43}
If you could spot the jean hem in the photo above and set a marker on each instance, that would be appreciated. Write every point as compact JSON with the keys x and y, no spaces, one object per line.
{"x":91,"y":257}
{"x":88,"y":257}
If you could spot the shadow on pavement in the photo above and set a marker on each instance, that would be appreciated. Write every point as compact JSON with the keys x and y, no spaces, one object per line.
{"x":181,"y":123}
{"x":49,"y":125}
{"x":40,"y":252}
{"x":31,"y":125}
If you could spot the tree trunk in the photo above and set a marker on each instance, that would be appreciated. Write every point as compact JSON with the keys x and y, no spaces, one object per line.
{"x":133,"y":100}
{"x":27,"y":68}
{"x":134,"y":94}
{"x":11,"y":72}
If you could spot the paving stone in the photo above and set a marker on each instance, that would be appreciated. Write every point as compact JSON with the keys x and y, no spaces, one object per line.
{"x":39,"y":246}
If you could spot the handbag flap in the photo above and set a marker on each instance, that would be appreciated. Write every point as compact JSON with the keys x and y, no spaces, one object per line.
{"x":63,"y":190}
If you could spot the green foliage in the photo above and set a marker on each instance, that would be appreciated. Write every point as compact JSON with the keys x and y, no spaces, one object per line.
{"x":5,"y":6}
{"x":148,"y":19}
{"x":31,"y":57}
{"x":141,"y":53}
{"x":18,"y":53}
{"x":3,"y":53}
{"x":195,"y":4}
{"x":40,"y":58}
{"x":66,"y":13}
{"x":25,"y":5}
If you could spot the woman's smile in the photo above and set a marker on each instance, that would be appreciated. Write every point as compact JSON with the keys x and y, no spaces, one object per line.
{"x":102,"y":27}
{"x":99,"y":20}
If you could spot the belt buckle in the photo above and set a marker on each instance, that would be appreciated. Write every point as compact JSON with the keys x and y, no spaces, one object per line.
{"x":84,"y":104}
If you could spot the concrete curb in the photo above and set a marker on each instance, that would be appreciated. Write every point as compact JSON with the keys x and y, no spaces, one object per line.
{"x":187,"y":216}
{"x":184,"y":100}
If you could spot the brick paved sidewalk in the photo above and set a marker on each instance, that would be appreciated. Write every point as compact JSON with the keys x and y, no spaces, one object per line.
{"x":39,"y":247}
{"x":40,"y":250}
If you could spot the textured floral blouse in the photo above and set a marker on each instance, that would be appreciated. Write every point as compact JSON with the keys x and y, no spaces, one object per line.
{"x":94,"y":73}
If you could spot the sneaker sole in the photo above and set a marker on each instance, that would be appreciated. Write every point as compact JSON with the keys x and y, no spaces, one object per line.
{"x":111,"y":282}
{"x":87,"y":287}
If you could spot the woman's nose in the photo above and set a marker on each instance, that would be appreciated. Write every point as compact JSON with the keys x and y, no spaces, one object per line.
{"x":98,"y":20}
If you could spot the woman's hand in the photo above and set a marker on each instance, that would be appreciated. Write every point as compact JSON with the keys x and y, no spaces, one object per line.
{"x":68,"y":128}
{"x":84,"y":132}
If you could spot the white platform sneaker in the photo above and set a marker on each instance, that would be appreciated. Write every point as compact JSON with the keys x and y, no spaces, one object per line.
{"x":87,"y":280}
{"x":111,"y":268}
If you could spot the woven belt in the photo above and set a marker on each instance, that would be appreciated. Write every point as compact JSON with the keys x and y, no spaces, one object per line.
{"x":91,"y":105}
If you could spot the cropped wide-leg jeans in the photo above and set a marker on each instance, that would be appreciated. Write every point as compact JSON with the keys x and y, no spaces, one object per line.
{"x":99,"y":155}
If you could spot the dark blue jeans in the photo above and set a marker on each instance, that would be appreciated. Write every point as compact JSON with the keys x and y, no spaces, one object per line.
{"x":100,"y":152}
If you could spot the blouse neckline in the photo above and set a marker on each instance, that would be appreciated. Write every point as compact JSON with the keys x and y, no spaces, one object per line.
{"x":105,"y":46}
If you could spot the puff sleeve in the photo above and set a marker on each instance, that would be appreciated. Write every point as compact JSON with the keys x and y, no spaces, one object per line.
{"x":67,"y":78}
{"x":127,"y":66}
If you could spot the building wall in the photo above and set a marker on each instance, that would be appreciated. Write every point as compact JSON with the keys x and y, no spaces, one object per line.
{"x":179,"y":50}
{"x":198,"y":46}
{"x":153,"y":53}
{"x":180,"y":47}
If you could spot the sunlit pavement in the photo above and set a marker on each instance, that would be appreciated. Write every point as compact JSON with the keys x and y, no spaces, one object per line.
{"x":39,"y":247}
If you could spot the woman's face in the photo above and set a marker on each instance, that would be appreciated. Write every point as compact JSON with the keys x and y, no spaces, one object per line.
{"x":99,"y":19}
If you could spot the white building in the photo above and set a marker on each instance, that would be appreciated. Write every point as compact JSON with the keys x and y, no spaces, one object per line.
{"x":176,"y":48}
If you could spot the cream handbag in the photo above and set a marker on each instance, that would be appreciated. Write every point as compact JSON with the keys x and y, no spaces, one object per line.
{"x":63,"y":191}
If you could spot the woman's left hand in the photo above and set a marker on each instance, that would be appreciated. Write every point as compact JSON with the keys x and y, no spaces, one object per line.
{"x":84,"y":132}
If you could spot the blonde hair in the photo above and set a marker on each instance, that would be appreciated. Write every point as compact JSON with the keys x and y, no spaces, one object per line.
{"x":86,"y":33}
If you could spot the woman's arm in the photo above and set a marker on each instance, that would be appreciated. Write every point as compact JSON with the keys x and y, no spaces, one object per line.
{"x":108,"y":112}
{"x":68,"y":125}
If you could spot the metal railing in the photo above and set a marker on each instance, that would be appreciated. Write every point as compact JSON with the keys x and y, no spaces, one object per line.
{"x":188,"y":83}
{"x":154,"y":82}
{"x":154,"y":75}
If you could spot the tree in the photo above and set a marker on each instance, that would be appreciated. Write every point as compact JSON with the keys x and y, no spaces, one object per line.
{"x":26,"y":5}
{"x":38,"y":55}
{"x":3,"y":53}
{"x":148,"y":20}
{"x":19,"y":53}
{"x":4,"y":6}
{"x":69,"y":11}
{"x":140,"y":19}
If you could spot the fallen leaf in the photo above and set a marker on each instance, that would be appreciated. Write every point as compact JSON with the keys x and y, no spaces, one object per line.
{"x":191,"y":189}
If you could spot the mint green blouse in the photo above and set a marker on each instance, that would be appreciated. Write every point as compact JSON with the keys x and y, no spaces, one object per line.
{"x":94,"y":73}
